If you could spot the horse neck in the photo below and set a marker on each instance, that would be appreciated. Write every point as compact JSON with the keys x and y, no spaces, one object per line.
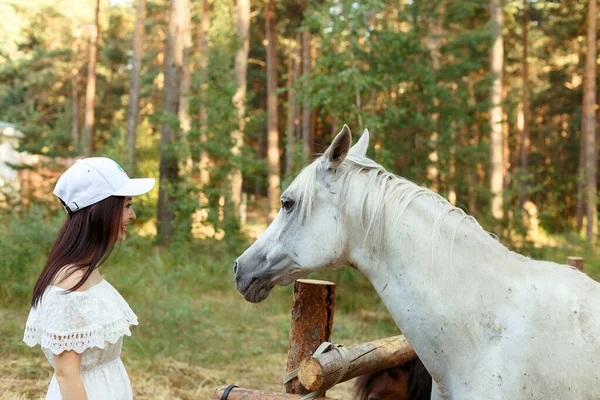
{"x":435,"y":276}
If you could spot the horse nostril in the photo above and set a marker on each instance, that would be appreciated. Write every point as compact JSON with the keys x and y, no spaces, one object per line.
{"x":235,"y":265}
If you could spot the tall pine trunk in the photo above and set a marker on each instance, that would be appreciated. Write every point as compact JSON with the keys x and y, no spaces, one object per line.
{"x":185,"y":122}
{"x":580,"y":206}
{"x":272,"y":131}
{"x":75,"y":80}
{"x":293,"y":74}
{"x":299,"y":102}
{"x":495,"y":114}
{"x":471,"y":135}
{"x":134,"y":88}
{"x":306,"y":68}
{"x":589,"y":114}
{"x":169,"y":166}
{"x":434,"y":44}
{"x":239,"y":101}
{"x":524,"y":131}
{"x":90,"y":93}
{"x":202,"y":39}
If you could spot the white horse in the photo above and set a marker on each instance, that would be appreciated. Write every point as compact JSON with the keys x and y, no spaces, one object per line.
{"x":486,"y":322}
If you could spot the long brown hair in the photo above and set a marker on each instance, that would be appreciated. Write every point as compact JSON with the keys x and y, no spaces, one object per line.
{"x":84,"y":242}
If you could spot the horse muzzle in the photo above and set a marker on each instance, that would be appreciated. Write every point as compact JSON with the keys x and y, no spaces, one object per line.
{"x":254,"y":288}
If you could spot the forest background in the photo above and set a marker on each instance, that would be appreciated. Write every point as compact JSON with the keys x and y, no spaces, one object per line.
{"x":492,"y":103}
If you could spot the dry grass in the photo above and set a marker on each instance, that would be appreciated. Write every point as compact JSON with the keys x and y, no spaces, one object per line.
{"x":27,"y":376}
{"x":255,"y":365}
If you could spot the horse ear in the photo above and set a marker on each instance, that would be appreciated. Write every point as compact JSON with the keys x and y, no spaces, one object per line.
{"x":338,"y":150}
{"x":361,"y":147}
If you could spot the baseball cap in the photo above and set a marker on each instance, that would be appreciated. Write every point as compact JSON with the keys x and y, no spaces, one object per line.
{"x":91,"y":180}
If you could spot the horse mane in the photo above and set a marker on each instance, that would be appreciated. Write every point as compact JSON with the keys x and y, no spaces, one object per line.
{"x":385,"y":190}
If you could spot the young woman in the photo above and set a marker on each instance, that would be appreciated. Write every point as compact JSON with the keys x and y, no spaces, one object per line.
{"x":76,"y":316}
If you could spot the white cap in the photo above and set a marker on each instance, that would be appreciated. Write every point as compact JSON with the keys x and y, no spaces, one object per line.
{"x":94,"y":179}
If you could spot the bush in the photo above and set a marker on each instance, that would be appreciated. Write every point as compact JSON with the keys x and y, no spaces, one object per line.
{"x":25,"y":240}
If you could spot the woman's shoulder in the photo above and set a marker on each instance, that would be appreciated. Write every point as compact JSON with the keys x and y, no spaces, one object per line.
{"x":99,"y":301}
{"x":69,"y":276}
{"x":98,"y":313}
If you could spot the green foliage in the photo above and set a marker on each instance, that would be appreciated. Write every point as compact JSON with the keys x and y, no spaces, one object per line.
{"x":376,"y":68}
{"x":25,"y":240}
{"x":373,"y":68}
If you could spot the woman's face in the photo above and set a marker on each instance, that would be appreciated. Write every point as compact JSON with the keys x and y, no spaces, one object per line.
{"x":128,"y":216}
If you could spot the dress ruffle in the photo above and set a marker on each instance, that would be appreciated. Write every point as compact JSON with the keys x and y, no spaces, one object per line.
{"x":78,"y":321}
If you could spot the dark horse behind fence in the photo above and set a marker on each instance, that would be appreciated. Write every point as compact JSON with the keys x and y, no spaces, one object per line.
{"x":410,"y":381}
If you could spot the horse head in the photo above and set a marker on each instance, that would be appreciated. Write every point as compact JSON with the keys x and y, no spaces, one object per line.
{"x":309,"y":233}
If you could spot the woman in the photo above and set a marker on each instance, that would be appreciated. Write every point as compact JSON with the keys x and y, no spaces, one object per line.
{"x":76,"y":316}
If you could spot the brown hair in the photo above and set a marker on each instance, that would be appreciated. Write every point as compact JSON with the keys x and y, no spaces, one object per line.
{"x":84,"y":242}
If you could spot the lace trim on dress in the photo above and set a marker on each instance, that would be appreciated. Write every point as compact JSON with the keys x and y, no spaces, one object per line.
{"x":83,"y":339}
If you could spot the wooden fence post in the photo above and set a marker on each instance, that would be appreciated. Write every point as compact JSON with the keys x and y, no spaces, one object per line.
{"x":312,"y":322}
{"x":576,"y":262}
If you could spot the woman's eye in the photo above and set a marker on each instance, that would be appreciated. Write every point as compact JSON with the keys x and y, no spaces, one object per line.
{"x":287,"y":204}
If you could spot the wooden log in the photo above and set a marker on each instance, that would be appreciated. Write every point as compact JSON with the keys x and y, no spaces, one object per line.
{"x":576,"y":262}
{"x":312,"y":321}
{"x":251,"y":394}
{"x":321,"y":372}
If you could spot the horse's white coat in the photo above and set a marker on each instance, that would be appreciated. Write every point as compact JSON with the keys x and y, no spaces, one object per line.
{"x":486,"y":322}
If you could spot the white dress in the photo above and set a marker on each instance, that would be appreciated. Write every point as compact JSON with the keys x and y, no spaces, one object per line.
{"x":92,"y":323}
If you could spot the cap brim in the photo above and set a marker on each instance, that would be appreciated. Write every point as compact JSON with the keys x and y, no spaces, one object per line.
{"x":136,"y":187}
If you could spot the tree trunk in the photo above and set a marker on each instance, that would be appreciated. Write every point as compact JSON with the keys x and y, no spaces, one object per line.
{"x":202,"y":40}
{"x":452,"y":167}
{"x":293,"y":74}
{"x":75,"y":79}
{"x":496,"y":66}
{"x":524,"y":136}
{"x":239,"y":100}
{"x":306,"y":136}
{"x":505,"y":145}
{"x":134,"y":88}
{"x":434,"y":44}
{"x":357,"y":95}
{"x":272,"y":132}
{"x":169,"y":166}
{"x":580,"y":207}
{"x":90,"y":93}
{"x":471,"y":138}
{"x":185,"y":122}
{"x":589,"y":114}
{"x":289,"y":141}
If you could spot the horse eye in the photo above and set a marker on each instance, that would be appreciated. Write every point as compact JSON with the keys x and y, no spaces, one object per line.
{"x":287,"y":204}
